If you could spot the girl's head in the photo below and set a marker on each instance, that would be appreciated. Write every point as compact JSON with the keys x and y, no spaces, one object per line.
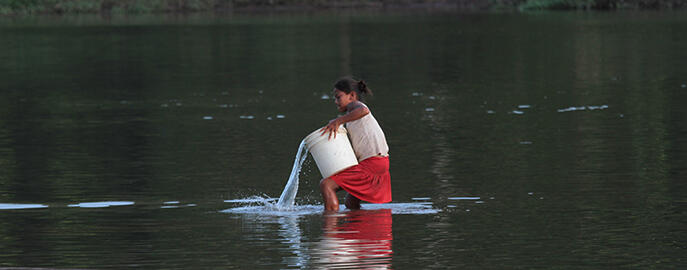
{"x":347,"y":90}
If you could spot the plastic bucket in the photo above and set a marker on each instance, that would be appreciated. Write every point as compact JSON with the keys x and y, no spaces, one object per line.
{"x":331,"y":155}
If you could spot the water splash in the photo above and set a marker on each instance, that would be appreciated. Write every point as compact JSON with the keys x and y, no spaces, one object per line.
{"x":252,"y":200}
{"x":289,"y":194}
{"x":264,"y":207}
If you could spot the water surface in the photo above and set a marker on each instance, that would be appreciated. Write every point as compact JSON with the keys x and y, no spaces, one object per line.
{"x":547,"y":140}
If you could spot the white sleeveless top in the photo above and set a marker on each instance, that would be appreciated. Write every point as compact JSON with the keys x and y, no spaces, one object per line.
{"x":367,"y":138}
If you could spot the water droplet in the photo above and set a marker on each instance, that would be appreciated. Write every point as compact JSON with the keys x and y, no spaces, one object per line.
{"x":525,"y":106}
{"x":247,"y":117}
{"x":491,"y":112}
{"x":518,"y":112}
{"x":280,"y":116}
{"x":429,"y":109}
{"x":207,"y":117}
{"x":324,"y":96}
{"x":417,"y":94}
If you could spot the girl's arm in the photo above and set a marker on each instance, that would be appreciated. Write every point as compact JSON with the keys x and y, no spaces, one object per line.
{"x":355,"y":111}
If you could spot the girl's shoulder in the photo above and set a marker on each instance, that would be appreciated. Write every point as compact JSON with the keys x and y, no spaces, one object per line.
{"x":356,"y":104}
{"x":362,"y":104}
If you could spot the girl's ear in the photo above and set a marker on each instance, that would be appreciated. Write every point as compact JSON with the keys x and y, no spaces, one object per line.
{"x":354,"y":95}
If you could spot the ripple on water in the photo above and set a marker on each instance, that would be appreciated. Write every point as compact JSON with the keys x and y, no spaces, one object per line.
{"x":463,"y":198}
{"x":583,"y":108}
{"x":267,"y":207}
{"x":13,"y":206}
{"x":174,"y":206}
{"x":101,"y":204}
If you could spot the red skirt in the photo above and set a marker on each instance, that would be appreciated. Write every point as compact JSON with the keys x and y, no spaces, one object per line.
{"x":368,"y":181}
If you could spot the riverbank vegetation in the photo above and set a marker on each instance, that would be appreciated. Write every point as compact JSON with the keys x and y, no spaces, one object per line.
{"x":14,"y":7}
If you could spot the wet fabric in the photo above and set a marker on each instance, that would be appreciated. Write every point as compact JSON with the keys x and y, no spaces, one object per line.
{"x":368,"y":181}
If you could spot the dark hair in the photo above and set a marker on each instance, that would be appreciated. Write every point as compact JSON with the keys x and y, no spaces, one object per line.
{"x":348,"y":84}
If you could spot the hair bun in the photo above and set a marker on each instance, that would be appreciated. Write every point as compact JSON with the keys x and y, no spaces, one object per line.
{"x":362,"y":86}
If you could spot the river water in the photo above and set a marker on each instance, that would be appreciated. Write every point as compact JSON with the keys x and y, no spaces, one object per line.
{"x":544,"y":140}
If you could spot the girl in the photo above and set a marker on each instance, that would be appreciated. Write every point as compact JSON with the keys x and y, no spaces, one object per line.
{"x":370,"y":179}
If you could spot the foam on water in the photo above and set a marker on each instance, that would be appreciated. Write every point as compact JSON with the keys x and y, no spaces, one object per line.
{"x":289,"y":194}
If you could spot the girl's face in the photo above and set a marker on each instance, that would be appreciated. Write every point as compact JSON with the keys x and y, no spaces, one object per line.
{"x":341,"y":99}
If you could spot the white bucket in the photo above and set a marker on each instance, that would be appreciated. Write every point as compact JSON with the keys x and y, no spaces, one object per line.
{"x":331,"y":155}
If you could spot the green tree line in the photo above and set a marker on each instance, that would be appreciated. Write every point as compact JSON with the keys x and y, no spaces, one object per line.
{"x":10,"y":7}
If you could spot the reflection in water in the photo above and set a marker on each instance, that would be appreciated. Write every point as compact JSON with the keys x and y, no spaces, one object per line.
{"x":292,"y":235}
{"x":357,"y":239}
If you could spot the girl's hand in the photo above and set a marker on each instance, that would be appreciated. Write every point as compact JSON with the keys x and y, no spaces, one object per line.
{"x":331,"y":128}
